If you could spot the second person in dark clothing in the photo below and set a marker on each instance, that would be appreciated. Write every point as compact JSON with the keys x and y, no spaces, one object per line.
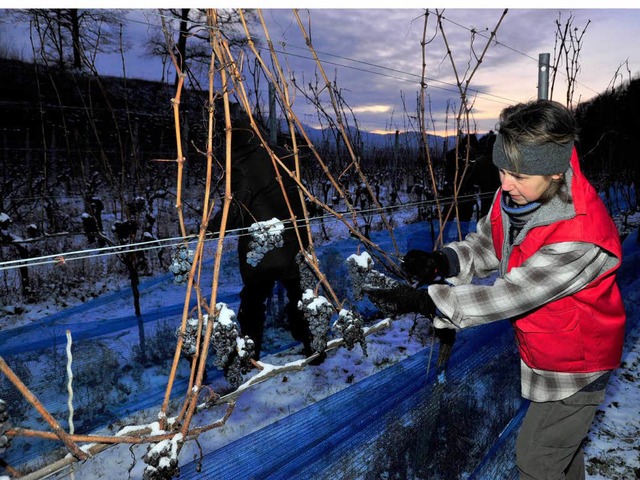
{"x":258,"y":197}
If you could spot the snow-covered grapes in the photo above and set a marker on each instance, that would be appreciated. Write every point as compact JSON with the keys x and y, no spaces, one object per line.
{"x":181,"y":261}
{"x":359,"y":266}
{"x":265,"y":236}
{"x":350,"y":325}
{"x":377,"y":280}
{"x":223,"y":339}
{"x":308,"y":279}
{"x":190,"y":335}
{"x":162,"y":459}
{"x":241,"y":363}
{"x":317,"y":312}
{"x":233,"y":353}
{"x":5,"y":425}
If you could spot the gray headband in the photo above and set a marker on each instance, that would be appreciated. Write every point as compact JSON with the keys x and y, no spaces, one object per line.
{"x":545,"y":159}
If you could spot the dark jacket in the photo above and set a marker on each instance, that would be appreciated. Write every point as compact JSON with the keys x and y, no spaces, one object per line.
{"x":257,"y":196}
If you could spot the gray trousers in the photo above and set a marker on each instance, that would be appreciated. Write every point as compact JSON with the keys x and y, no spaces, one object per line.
{"x":549,"y":444}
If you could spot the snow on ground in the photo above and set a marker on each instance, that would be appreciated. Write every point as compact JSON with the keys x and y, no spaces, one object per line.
{"x":613,"y":448}
{"x":270,"y":401}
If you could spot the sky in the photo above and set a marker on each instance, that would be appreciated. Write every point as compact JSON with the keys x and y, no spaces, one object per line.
{"x":375,"y":56}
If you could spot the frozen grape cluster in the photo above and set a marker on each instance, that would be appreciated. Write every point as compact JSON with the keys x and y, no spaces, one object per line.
{"x":308,"y":279}
{"x":225,"y":332}
{"x":162,"y":459}
{"x":5,"y":425}
{"x":317,"y":311}
{"x":351,"y":327}
{"x":233,"y":353}
{"x":377,"y":280}
{"x":241,"y":363}
{"x":181,"y":261}
{"x":359,"y":267}
{"x":190,"y":335}
{"x":265,"y":236}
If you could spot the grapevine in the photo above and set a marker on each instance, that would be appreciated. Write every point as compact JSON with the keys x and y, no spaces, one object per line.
{"x":380,"y":280}
{"x":308,"y":279}
{"x":377,"y":280}
{"x":350,"y":325}
{"x":318,"y":312}
{"x":181,"y":261}
{"x":266,"y":236}
{"x":359,"y":267}
{"x":190,"y":335}
{"x":233,"y":353}
{"x":5,"y":425}
{"x":162,"y":459}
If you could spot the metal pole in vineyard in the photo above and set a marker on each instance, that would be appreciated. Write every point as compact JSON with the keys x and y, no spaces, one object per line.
{"x":543,"y":76}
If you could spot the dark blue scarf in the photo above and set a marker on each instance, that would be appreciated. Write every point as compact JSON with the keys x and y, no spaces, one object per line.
{"x":518,"y":215}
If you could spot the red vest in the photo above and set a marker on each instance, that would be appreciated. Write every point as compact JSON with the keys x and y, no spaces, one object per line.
{"x":585,"y":331}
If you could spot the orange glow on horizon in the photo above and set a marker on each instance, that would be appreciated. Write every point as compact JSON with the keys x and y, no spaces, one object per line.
{"x":439,"y":133}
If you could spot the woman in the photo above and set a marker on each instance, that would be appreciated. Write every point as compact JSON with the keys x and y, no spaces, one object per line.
{"x":556,"y":250}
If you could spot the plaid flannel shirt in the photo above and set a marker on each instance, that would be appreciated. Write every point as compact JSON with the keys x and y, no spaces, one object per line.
{"x":555,"y":271}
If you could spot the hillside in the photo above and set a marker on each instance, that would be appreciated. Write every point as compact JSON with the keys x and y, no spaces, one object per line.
{"x":46,"y":108}
{"x":61,"y":114}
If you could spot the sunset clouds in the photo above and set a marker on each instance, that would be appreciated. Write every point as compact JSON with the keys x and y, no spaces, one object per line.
{"x":374,"y":56}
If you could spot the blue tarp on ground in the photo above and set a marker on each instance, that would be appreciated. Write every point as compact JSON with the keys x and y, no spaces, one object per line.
{"x":395,"y":421}
{"x":360,"y":431}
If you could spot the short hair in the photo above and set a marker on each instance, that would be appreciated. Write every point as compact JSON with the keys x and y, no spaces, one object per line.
{"x":535,"y":123}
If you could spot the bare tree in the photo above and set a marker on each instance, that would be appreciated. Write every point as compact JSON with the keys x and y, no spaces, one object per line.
{"x":71,"y":37}
{"x":191,"y":45}
{"x":568,"y":44}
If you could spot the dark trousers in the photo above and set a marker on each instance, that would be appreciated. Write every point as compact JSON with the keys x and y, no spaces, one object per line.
{"x":549,"y":444}
{"x":252,"y":311}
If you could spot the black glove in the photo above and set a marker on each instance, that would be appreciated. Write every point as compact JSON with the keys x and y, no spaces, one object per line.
{"x":425,"y":266}
{"x":400,"y":298}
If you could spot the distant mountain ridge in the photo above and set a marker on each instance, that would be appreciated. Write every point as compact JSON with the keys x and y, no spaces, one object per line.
{"x":381,"y":140}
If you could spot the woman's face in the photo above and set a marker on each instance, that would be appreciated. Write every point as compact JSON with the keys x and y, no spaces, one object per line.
{"x":525,"y":189}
